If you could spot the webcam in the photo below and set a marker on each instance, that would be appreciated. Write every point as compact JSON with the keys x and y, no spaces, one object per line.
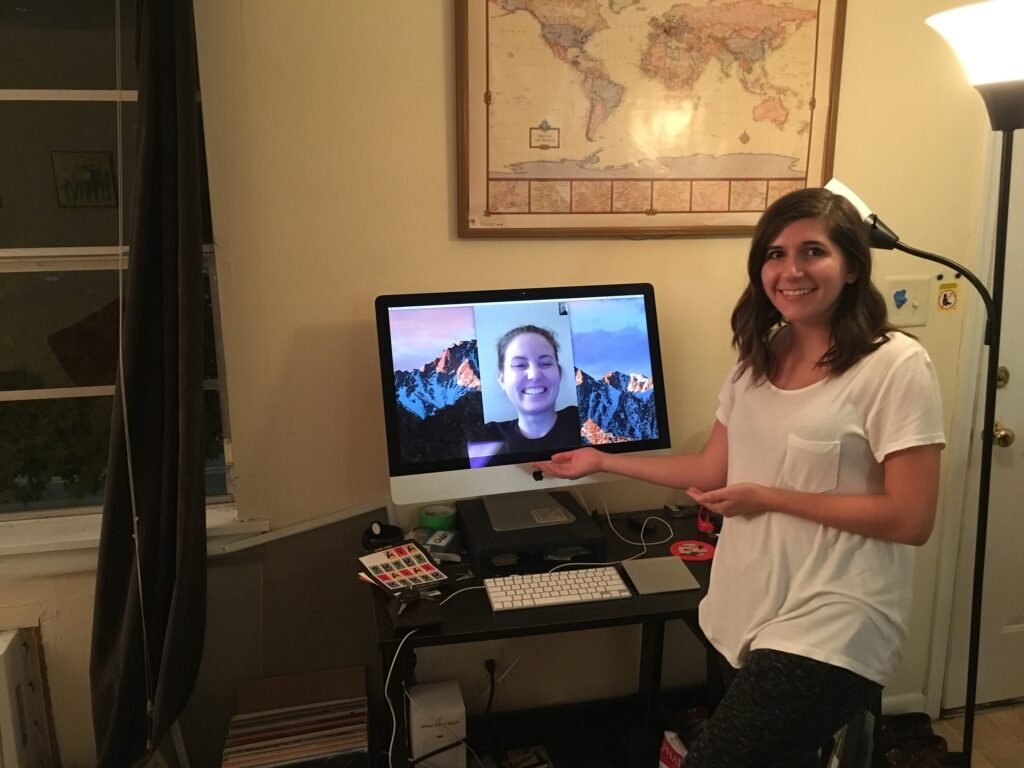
{"x":538,"y":475}
{"x":381,"y":535}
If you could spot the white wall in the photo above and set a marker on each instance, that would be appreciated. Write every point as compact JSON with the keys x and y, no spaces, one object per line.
{"x":331,"y":140}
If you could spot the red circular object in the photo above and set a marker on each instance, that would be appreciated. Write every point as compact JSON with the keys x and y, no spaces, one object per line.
{"x":693,"y":550}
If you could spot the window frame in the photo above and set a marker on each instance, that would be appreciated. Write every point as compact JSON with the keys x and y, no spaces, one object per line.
{"x":110,"y":258}
{"x":55,"y":532}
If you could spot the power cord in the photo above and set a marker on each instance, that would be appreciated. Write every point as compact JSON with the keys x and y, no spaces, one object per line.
{"x":508,"y":669}
{"x":489,"y":665}
{"x":459,"y":592}
{"x":642,"y":543}
{"x":387,"y":698}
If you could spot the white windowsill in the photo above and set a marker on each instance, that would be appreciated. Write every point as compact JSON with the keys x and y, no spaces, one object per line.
{"x":55,"y":545}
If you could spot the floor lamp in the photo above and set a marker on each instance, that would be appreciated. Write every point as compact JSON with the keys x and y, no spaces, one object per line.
{"x":985,"y":38}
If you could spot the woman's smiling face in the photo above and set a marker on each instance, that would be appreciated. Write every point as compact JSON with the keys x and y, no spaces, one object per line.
{"x":530,"y":375}
{"x":804,"y":273}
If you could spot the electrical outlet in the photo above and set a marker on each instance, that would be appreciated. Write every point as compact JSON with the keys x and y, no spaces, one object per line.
{"x":907,"y":300}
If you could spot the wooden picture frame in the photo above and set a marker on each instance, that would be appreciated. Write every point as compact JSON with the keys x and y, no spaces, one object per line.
{"x":85,"y":179}
{"x":634,"y":119}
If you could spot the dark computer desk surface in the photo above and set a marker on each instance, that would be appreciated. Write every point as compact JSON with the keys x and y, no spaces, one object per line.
{"x":468,"y":617}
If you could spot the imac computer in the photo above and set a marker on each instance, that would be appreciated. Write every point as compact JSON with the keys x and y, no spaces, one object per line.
{"x":470,"y":380}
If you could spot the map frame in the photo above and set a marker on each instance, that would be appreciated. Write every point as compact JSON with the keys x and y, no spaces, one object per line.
{"x":477,"y":217}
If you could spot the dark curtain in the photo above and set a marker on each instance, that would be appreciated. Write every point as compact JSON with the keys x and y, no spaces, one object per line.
{"x":146,"y":649}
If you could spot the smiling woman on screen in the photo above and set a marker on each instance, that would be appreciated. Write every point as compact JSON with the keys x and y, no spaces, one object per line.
{"x":530,"y":376}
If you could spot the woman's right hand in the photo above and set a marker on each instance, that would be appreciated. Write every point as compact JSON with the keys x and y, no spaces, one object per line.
{"x":572,"y":464}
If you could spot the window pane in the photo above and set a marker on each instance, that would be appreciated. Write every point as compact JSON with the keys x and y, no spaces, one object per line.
{"x":66,"y":44}
{"x":54,"y":453}
{"x":60,"y":329}
{"x":209,"y":339}
{"x":59,"y":182}
{"x":216,"y":470}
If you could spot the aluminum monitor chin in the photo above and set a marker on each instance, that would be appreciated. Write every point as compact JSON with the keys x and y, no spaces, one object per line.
{"x":460,"y":423}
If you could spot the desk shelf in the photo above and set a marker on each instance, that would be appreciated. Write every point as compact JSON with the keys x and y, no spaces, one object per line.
{"x":612,"y":733}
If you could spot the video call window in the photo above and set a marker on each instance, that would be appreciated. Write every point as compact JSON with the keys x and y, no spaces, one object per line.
{"x":580,"y":367}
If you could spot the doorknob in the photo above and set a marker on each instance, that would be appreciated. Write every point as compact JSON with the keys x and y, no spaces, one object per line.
{"x":1004,"y":435}
{"x":1002,"y":376}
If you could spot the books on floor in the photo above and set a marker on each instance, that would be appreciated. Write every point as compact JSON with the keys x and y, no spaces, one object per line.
{"x":294,"y":720}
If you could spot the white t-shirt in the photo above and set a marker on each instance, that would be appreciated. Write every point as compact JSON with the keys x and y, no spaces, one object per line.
{"x":785,"y":583}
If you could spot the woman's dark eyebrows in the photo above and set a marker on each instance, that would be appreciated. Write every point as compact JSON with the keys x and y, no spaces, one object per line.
{"x":804,"y":244}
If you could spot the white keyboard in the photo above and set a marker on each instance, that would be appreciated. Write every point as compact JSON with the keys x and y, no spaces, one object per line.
{"x":580,"y":585}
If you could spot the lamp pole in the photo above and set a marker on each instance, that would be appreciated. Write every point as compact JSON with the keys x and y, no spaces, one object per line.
{"x":882,"y":237}
{"x":992,"y":333}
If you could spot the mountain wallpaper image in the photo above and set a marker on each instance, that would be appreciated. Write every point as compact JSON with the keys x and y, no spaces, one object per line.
{"x":441,"y":409}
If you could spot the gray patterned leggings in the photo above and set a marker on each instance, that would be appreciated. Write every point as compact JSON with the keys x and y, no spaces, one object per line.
{"x":777,"y":711}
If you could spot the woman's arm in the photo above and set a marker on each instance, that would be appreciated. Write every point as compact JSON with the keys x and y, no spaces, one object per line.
{"x":705,"y":469}
{"x":904,"y":512}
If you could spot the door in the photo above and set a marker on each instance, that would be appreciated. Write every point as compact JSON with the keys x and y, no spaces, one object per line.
{"x":1001,"y":657}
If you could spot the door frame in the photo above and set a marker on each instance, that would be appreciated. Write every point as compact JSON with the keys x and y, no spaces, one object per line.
{"x":960,"y":486}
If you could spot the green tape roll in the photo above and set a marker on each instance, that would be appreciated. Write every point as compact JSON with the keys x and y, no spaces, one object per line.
{"x":438,"y":517}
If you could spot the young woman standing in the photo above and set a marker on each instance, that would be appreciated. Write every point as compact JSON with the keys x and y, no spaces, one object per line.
{"x":824,"y":460}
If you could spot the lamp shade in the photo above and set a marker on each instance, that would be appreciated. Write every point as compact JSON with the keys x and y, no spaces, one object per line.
{"x":986,"y":39}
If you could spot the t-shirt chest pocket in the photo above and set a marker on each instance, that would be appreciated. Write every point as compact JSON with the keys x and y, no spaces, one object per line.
{"x":811,"y":466}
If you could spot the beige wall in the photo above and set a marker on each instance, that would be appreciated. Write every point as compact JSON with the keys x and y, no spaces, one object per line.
{"x":331,"y":133}
{"x":330,"y":127}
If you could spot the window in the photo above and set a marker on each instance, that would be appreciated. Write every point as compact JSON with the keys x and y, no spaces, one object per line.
{"x":67,"y":142}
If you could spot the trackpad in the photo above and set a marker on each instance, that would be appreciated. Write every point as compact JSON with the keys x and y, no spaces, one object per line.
{"x":659,"y":574}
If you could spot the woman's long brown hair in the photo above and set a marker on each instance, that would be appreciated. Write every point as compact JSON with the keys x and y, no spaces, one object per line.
{"x":859,"y":324}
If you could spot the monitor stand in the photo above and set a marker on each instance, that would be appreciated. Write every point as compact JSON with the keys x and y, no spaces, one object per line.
{"x":530,"y":547}
{"x":525,"y":509}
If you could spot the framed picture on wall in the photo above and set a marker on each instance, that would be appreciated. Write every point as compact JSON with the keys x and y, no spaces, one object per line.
{"x":644,"y":119}
{"x":85,"y":179}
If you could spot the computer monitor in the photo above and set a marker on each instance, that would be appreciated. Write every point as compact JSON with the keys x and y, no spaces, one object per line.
{"x":459,"y":421}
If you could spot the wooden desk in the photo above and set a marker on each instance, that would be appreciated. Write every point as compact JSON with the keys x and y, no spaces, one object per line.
{"x":468,"y":617}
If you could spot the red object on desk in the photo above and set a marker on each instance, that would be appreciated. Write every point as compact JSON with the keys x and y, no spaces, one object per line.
{"x":693,"y":550}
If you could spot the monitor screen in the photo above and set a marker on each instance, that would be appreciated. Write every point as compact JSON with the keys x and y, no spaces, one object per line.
{"x":478,"y":384}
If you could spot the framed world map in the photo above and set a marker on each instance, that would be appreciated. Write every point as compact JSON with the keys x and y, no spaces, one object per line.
{"x":641,"y":117}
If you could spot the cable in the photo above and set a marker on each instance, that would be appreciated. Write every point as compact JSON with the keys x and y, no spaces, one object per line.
{"x":580,"y":500}
{"x":489,"y":666}
{"x":387,"y":698}
{"x":121,"y":380}
{"x":459,"y":592}
{"x":642,"y":543}
{"x":508,"y":669}
{"x":516,"y":660}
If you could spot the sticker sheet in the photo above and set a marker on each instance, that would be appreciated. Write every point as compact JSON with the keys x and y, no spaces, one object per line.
{"x":402,"y":566}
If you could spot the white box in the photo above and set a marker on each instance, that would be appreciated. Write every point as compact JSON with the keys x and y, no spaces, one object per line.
{"x":437,"y":716}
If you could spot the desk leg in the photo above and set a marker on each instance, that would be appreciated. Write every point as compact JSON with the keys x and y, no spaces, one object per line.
{"x":652,"y":651}
{"x":402,"y":669}
{"x":715,"y":685}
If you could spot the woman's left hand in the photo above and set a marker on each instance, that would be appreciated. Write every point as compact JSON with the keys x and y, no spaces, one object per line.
{"x":732,"y":500}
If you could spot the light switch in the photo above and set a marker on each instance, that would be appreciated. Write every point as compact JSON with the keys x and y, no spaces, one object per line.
{"x":907,"y":299}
